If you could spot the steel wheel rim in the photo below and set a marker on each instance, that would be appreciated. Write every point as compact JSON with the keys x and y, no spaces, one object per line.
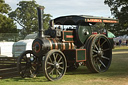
{"x":55,"y":66}
{"x":87,"y":46}
{"x":101,"y":53}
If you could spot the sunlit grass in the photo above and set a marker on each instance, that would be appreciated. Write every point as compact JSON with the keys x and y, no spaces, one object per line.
{"x":121,"y":47}
{"x":116,"y":75}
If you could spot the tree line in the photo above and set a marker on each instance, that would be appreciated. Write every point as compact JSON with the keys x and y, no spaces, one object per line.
{"x":25,"y":15}
{"x":119,"y":9}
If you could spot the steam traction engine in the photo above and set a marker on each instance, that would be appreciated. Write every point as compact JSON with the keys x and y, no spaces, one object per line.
{"x":58,"y":49}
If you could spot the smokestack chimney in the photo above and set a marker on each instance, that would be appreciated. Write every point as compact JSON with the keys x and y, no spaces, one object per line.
{"x":40,"y":11}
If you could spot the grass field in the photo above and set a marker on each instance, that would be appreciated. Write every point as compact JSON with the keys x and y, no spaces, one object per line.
{"x":116,"y":75}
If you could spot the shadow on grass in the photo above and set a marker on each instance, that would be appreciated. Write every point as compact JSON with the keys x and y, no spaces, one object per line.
{"x":19,"y":79}
{"x":82,"y":70}
{"x":119,"y":66}
{"x":118,"y":69}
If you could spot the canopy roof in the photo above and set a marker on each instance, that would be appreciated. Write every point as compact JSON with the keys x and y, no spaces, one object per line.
{"x":82,"y":19}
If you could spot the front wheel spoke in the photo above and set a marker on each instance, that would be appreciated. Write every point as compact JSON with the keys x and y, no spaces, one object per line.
{"x":59,"y":59}
{"x":33,"y":68}
{"x":51,"y":71}
{"x":48,"y":67}
{"x":61,"y":68}
{"x":31,"y":55}
{"x":56,"y":73}
{"x":50,"y":63}
{"x":105,"y":57}
{"x":60,"y":63}
{"x":54,"y":57}
{"x":99,"y":67}
{"x":25,"y":59}
{"x":59,"y":72}
{"x":28,"y":64}
{"x":102,"y":63}
{"x":30,"y":71}
{"x":50,"y":59}
{"x":23,"y":72}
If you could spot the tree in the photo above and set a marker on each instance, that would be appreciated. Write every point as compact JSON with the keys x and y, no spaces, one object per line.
{"x":6,"y":24}
{"x":119,"y":8}
{"x":26,"y":16}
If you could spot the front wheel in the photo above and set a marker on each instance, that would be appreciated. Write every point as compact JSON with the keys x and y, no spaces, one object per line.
{"x":55,"y":65}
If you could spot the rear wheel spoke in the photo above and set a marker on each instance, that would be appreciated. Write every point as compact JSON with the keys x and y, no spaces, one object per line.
{"x":102,"y":63}
{"x":94,"y":55}
{"x":106,"y":49}
{"x":99,"y":42}
{"x":95,"y":51}
{"x":105,"y":57}
{"x":96,"y":47}
{"x":103,"y":43}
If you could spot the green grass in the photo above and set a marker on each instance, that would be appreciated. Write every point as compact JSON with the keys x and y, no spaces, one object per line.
{"x":120,"y":48}
{"x":116,"y":75}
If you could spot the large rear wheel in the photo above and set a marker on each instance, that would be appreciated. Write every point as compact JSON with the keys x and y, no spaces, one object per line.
{"x":99,"y":53}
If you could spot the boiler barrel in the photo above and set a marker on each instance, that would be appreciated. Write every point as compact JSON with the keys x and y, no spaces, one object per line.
{"x":41,"y":46}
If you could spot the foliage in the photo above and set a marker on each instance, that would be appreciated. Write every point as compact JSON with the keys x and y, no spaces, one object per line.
{"x":9,"y":37}
{"x":6,"y":24}
{"x":26,"y":16}
{"x":4,"y":8}
{"x":98,"y":27}
{"x":119,"y":8}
